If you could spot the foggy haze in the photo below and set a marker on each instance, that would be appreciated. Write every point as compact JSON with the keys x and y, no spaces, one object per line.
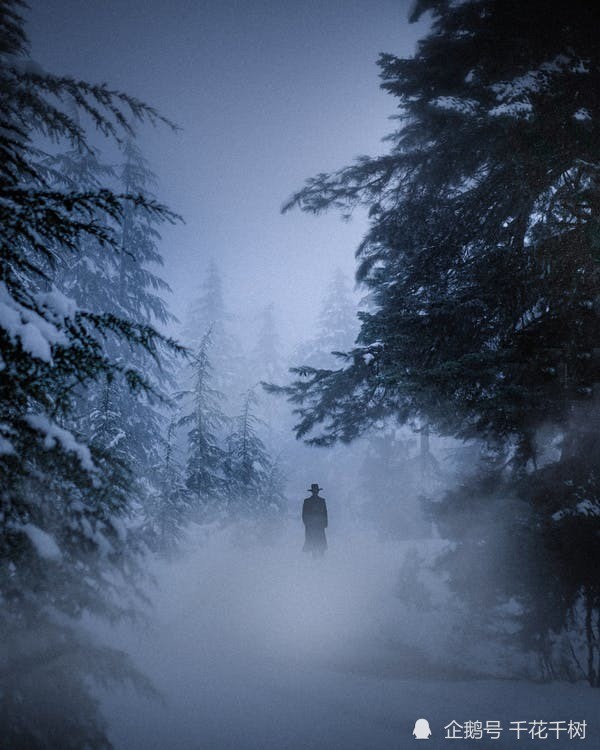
{"x":266,"y":94}
{"x":346,"y":513}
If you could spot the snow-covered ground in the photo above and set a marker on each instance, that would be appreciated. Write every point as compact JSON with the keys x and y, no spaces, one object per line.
{"x":255,"y":646}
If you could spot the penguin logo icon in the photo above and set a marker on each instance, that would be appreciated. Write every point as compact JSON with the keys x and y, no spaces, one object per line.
{"x":421,"y":730}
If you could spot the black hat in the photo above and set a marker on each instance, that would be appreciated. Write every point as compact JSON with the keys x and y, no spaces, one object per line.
{"x":315,"y":488}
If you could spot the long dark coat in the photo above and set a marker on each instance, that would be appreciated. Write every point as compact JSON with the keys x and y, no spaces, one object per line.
{"x":314,"y":517}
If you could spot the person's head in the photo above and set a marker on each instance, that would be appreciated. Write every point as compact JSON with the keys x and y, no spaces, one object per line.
{"x":314,"y":488}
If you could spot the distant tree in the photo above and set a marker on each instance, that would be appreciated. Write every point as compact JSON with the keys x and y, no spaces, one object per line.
{"x":337,"y":326}
{"x":481,"y":262}
{"x":266,"y":357}
{"x":209,"y":311}
{"x":170,"y":505}
{"x":138,"y":297}
{"x":205,"y":423}
{"x":65,"y":547}
{"x":390,"y":479}
{"x":266,"y":362}
{"x":134,"y":294}
{"x":254,"y":484}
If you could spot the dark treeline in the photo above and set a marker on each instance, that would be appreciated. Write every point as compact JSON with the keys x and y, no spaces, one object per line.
{"x":481,"y":264}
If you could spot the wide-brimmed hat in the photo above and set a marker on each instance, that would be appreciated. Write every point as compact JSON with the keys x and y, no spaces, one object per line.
{"x":315,"y":488}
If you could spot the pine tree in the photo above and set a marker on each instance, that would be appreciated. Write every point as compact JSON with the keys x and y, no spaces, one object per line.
{"x":170,"y":506}
{"x":205,"y":420}
{"x":481,"y":261}
{"x":209,"y":312}
{"x":137,"y":298}
{"x":337,"y":326}
{"x":266,"y":363}
{"x":254,"y":485}
{"x":266,"y":357}
{"x":131,"y":429}
{"x":65,"y":548}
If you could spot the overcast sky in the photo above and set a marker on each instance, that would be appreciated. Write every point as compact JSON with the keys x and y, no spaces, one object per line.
{"x":267,"y":94}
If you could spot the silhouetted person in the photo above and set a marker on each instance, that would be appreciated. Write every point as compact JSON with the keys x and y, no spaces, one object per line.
{"x":314,"y":518}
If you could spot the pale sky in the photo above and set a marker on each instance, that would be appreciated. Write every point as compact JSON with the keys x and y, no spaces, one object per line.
{"x":267,"y":94}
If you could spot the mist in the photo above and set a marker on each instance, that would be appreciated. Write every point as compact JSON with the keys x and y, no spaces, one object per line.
{"x":320,"y":477}
{"x":254,"y":645}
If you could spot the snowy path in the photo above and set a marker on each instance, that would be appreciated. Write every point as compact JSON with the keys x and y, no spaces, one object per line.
{"x":260,"y":648}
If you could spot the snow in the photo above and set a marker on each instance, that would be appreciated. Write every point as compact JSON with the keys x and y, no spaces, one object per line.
{"x":36,"y":334}
{"x":34,"y":342}
{"x":105,"y":548}
{"x":514,"y":96}
{"x":588,"y":508}
{"x":260,"y":647}
{"x":512,"y":109}
{"x":55,"y":435}
{"x":582,"y":115}
{"x":45,"y":545}
{"x":456,"y":104}
{"x":585,"y":507}
{"x":6,"y":447}
{"x":59,"y":306}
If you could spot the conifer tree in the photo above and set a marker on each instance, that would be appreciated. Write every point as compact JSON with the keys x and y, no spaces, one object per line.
{"x":170,"y":506}
{"x":254,"y":485}
{"x":134,"y":294}
{"x":337,"y":326}
{"x":65,"y":548}
{"x":266,"y":357}
{"x":209,"y":312}
{"x":481,"y":261}
{"x":205,"y":422}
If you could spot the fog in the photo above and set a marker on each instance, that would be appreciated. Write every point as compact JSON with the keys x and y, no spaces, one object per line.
{"x":249,"y":642}
{"x":255,"y":645}
{"x":265,"y":95}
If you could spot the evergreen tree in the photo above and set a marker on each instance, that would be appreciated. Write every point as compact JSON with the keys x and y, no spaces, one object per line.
{"x":337,"y":326}
{"x":205,"y":420}
{"x":254,"y":484}
{"x":266,"y":363}
{"x":137,"y":297}
{"x":266,"y":357}
{"x":209,"y":312}
{"x":481,"y":260}
{"x":65,"y":549}
{"x":170,"y":506}
{"x":105,"y":412}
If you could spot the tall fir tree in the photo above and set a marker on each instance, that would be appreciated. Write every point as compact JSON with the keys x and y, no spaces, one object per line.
{"x":106,"y":413}
{"x":135,"y":293}
{"x":254,"y":484}
{"x":267,"y":362}
{"x":337,"y":326}
{"x":209,"y":311}
{"x":169,"y":506}
{"x":139,"y":297}
{"x":205,"y":423}
{"x":65,"y":549}
{"x":481,"y":260}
